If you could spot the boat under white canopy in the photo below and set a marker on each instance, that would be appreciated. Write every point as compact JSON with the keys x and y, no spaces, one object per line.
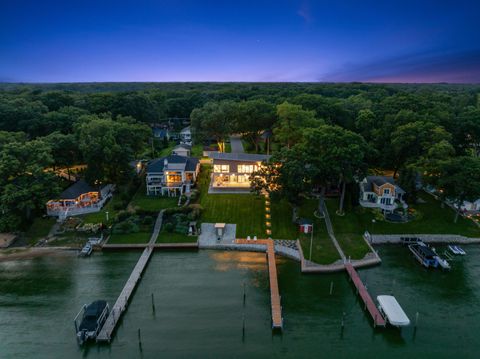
{"x":393,"y":311}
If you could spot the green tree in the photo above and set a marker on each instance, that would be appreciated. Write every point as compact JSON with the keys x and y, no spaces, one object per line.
{"x":253,"y":117}
{"x":460,"y":181}
{"x":108,"y":146}
{"x":292,"y":120}
{"x":214,"y":120}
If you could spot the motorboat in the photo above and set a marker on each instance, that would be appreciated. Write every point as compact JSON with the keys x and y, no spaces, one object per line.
{"x":86,"y":250}
{"x":456,"y":250}
{"x":392,"y":311}
{"x":93,"y":316}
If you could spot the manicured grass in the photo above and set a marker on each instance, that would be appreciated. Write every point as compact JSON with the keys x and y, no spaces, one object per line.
{"x":281,"y":219}
{"x":152,"y":203}
{"x":348,"y":231}
{"x":101,"y":217}
{"x":130,"y":238}
{"x":173,"y":237}
{"x":246,"y":210}
{"x":433,"y":220}
{"x":323,"y":250}
{"x":39,"y":228}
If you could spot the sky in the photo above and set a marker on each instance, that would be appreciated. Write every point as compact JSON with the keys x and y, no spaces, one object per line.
{"x":235,"y":40}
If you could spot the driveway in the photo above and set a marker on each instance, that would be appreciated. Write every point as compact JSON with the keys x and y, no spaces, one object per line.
{"x":236,"y":144}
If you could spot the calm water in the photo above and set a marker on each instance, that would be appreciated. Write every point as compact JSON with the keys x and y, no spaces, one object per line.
{"x":199,"y":308}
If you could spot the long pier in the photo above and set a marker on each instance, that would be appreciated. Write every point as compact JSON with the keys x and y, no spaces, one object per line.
{"x":121,"y":304}
{"x":277,"y":319}
{"x":370,"y":306}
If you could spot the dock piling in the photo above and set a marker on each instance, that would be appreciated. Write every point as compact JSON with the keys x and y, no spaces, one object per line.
{"x":153,"y":304}
{"x":416,"y":319}
{"x":331,"y":287}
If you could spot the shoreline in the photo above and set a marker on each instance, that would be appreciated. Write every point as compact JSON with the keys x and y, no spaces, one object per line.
{"x":19,"y":253}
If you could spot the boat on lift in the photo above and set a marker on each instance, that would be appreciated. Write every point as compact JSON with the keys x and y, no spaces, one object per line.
{"x":86,"y":250}
{"x":93,"y":316}
{"x":392,"y":311}
{"x":456,"y":250}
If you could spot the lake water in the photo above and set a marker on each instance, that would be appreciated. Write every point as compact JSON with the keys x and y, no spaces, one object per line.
{"x":199,"y":308}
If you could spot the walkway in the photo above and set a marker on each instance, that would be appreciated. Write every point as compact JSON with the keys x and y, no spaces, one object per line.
{"x":331,"y":234}
{"x":277,"y":320}
{"x":236,"y":144}
{"x":121,"y":304}
{"x":366,"y":298}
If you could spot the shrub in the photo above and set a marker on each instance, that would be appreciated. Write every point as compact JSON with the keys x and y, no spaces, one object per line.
{"x":118,"y":206}
{"x":147,"y":220}
{"x":169,"y":227}
{"x":122,"y":216}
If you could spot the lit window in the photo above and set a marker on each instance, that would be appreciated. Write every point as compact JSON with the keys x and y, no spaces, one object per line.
{"x":221,"y":168}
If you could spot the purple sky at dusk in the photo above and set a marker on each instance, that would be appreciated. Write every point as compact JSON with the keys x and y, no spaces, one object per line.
{"x":345,"y":40}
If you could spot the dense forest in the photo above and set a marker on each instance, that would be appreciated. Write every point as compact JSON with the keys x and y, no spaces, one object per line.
{"x":324,"y":133}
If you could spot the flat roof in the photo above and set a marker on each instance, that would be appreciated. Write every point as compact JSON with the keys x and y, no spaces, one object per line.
{"x":248,"y":157}
{"x":393,"y":311}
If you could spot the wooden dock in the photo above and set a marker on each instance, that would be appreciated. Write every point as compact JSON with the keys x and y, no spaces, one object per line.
{"x":277,"y":320}
{"x":377,"y":317}
{"x":121,"y":304}
{"x":140,"y":246}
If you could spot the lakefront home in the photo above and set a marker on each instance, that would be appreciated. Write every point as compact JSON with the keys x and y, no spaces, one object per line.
{"x":381,"y":192}
{"x":233,"y":170}
{"x":182,"y":150}
{"x":186,"y":136}
{"x":171,"y":175}
{"x":79,"y":198}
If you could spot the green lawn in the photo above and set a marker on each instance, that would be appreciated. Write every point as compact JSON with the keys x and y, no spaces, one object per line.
{"x":281,"y":219}
{"x":101,"y":217}
{"x":173,"y":237}
{"x":432,"y":220}
{"x":152,"y":203}
{"x":348,"y":231}
{"x":39,"y":229}
{"x":323,"y":250}
{"x":246,"y":210}
{"x":197,"y":151}
{"x":129,"y":238}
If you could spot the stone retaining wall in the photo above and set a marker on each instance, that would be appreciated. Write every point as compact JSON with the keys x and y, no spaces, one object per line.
{"x":427,"y":238}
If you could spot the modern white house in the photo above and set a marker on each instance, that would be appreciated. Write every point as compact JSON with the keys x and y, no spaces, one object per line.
{"x":233,"y":170}
{"x":79,"y":198}
{"x":182,"y":150}
{"x":172,"y":175}
{"x":381,"y":192}
{"x":186,"y":136}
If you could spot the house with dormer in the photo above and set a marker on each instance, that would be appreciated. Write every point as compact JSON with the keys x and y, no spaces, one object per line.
{"x":381,"y":192}
{"x":172,"y":175}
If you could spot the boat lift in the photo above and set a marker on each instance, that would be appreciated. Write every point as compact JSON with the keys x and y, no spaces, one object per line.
{"x":393,"y":312}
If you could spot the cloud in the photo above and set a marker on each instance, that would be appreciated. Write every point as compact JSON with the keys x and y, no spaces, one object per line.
{"x":305,"y":12}
{"x":453,"y":67}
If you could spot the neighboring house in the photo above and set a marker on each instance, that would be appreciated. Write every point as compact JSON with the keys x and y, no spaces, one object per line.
{"x":172,"y":175}
{"x":182,"y":150}
{"x":232,"y":170}
{"x":79,"y":198}
{"x":186,"y":136}
{"x":381,"y":192}
{"x":161,"y":133}
{"x":471,"y":206}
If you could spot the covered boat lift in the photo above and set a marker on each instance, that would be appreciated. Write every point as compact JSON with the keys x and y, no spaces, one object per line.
{"x":393,"y":312}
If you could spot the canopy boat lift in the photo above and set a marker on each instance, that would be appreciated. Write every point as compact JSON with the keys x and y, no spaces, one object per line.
{"x":393,"y":312}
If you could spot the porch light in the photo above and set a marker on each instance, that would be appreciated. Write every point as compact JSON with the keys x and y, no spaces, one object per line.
{"x":269,"y":232}
{"x":267,"y":203}
{"x":267,"y":216}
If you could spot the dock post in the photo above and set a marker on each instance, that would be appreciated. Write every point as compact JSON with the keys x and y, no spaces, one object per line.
{"x":416,"y":319}
{"x":153,"y":304}
{"x":331,"y":287}
{"x":139,"y":339}
{"x":244,"y":294}
{"x":393,"y":286}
